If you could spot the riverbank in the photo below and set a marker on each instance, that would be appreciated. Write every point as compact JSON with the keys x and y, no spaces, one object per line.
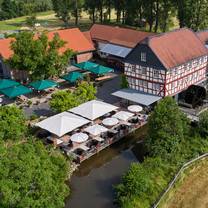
{"x":94,"y":179}
{"x":191,"y":190}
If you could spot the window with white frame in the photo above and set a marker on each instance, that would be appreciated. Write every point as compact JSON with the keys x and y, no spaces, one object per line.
{"x":143,"y":57}
{"x":144,"y":70}
{"x":133,"y":68}
{"x":156,"y":73}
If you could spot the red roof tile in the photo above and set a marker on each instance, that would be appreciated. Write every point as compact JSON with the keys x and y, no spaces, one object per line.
{"x":203,"y":35}
{"x":117,"y":35}
{"x":177,"y":47}
{"x":5,"y":50}
{"x":88,"y":36}
{"x":74,"y":38}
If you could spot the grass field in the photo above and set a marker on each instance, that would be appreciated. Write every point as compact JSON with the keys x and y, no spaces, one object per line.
{"x":191,"y":191}
{"x":48,"y":20}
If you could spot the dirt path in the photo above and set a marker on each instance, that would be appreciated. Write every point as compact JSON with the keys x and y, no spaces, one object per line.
{"x":192,"y":191}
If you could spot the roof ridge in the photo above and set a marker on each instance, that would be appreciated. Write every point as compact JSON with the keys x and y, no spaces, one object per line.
{"x":169,"y":32}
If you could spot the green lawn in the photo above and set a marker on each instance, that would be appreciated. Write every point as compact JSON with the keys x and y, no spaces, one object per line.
{"x":17,"y":23}
{"x":191,"y":190}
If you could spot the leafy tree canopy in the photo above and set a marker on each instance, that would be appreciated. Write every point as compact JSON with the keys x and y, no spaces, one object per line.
{"x":39,"y":56}
{"x":64,"y":100}
{"x":85,"y":92}
{"x":31,"y":177}
{"x":167,"y":127}
{"x":12,"y":122}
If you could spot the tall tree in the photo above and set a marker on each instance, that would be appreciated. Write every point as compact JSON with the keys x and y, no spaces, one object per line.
{"x":12,"y":122}
{"x":119,"y":6}
{"x":167,"y":127}
{"x":62,"y":9}
{"x":91,"y":7}
{"x":76,"y":9}
{"x":8,"y":9}
{"x":39,"y":56}
{"x":193,"y":13}
{"x":30,"y":176}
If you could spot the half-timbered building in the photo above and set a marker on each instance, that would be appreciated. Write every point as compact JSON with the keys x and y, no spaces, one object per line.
{"x":167,"y":64}
{"x":114,"y":43}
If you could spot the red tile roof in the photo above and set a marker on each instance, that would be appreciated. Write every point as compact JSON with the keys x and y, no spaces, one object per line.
{"x":74,"y":38}
{"x":203,"y":35}
{"x":117,"y":35}
{"x":177,"y":47}
{"x":88,"y":36}
{"x":5,"y":50}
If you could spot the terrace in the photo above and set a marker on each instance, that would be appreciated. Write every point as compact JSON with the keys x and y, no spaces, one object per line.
{"x":90,"y":128}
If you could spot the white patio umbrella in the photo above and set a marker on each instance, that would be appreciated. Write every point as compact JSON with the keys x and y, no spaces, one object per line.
{"x":110,"y":121}
{"x":123,"y":115}
{"x":79,"y":137}
{"x":96,"y":129}
{"x":135,"y":108}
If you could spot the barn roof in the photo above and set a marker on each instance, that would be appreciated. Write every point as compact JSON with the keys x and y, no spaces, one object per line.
{"x":176,"y":47}
{"x":117,"y":35}
{"x":74,"y":39}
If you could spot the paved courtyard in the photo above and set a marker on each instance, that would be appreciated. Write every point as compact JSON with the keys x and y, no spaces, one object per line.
{"x":103,"y":93}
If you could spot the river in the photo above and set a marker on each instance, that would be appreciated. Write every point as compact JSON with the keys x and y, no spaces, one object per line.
{"x":92,"y":184}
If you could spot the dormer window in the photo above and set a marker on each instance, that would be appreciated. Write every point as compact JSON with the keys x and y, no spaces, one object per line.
{"x":143,"y":57}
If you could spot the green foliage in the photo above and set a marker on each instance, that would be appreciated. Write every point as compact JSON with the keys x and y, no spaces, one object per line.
{"x":203,"y":123}
{"x":124,"y":81}
{"x":85,"y":92}
{"x":62,"y":9}
{"x":173,"y":142}
{"x":142,"y":184}
{"x":64,"y":100}
{"x":167,"y":126}
{"x":31,"y":177}
{"x":12,"y":122}
{"x":39,"y":56}
{"x":16,"y":8}
{"x":31,"y":21}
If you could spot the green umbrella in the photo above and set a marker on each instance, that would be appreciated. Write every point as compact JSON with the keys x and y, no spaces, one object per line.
{"x":6,"y":83}
{"x":86,"y":65}
{"x":73,"y":76}
{"x":16,"y":91}
{"x":43,"y":84}
{"x":100,"y":70}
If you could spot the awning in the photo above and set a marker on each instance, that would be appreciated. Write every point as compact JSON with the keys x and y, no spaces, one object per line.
{"x":73,"y":77}
{"x":116,"y":50}
{"x":62,"y":123}
{"x":93,"y":109}
{"x":137,"y":96}
{"x":6,"y":83}
{"x":43,"y":84}
{"x":16,"y":91}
